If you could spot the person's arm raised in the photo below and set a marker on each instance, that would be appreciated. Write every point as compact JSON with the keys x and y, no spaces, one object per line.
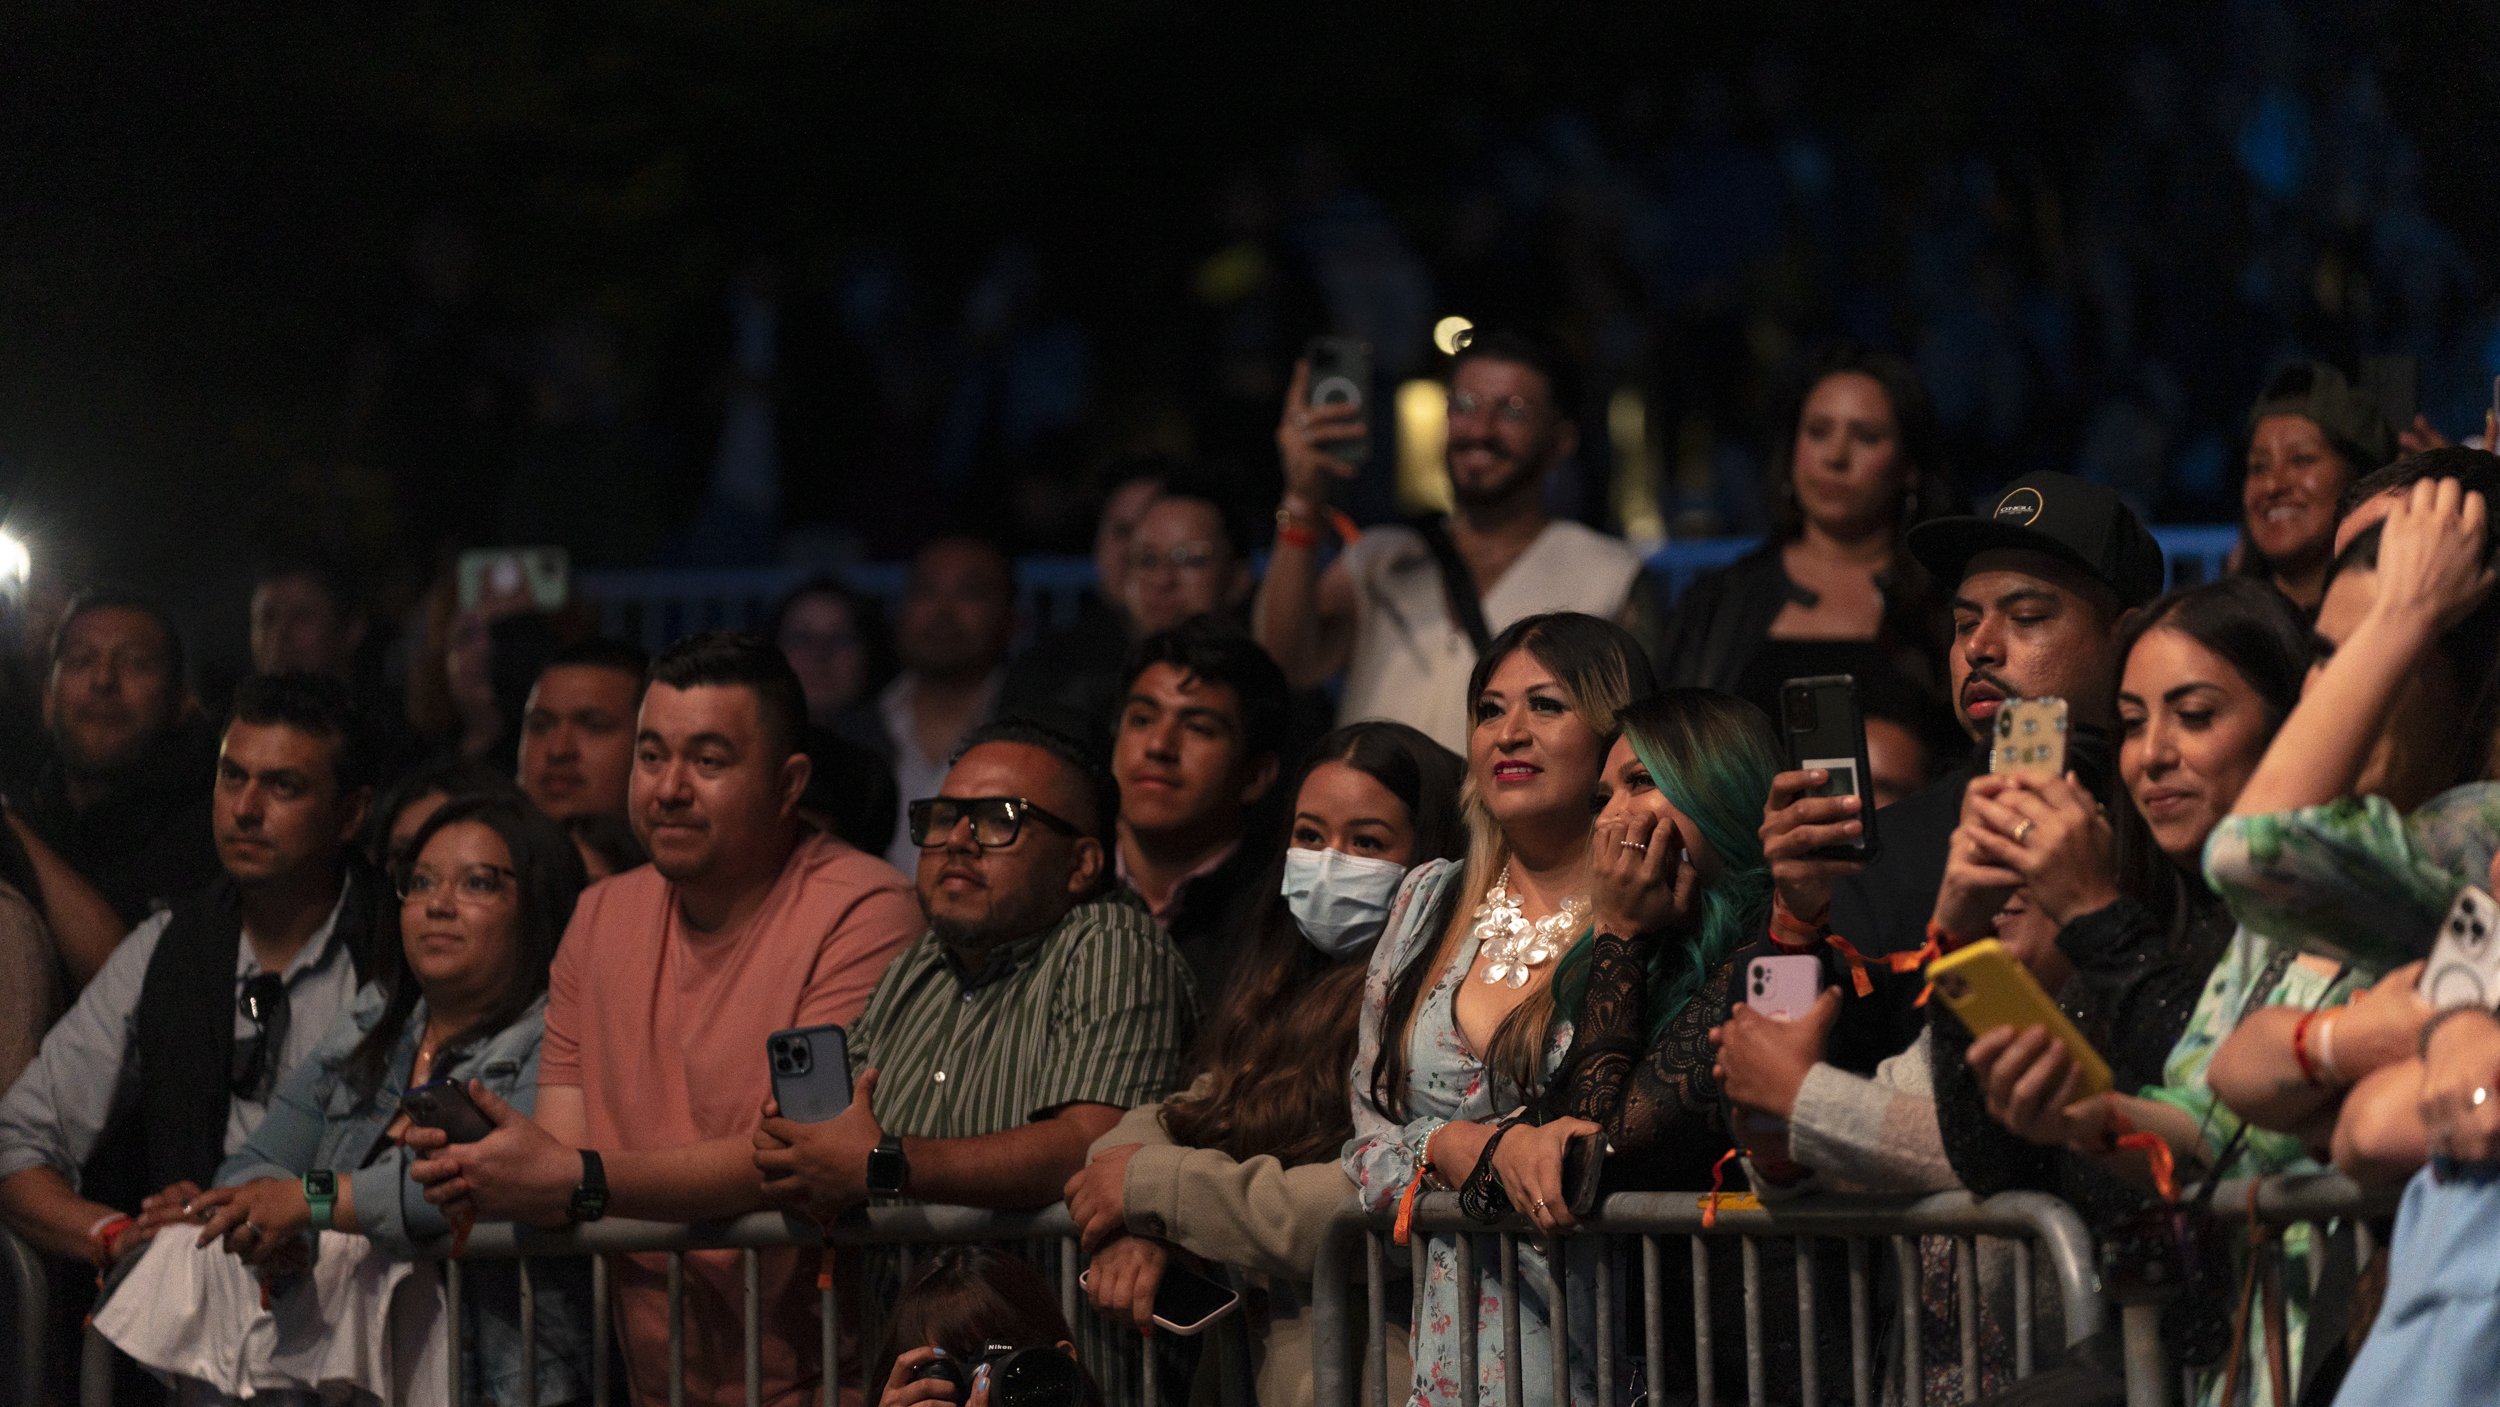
{"x":1302,"y":615}
{"x":2431,"y":574}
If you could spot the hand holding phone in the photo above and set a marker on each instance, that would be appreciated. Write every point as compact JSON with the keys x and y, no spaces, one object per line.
{"x":1186,"y":1302}
{"x":2030,"y":739}
{"x":811,"y":1072}
{"x":2464,"y":966}
{"x":1826,"y":732}
{"x":445,"y":1104}
{"x":1984,"y":986}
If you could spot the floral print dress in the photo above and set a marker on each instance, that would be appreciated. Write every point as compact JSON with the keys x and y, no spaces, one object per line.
{"x":1446,"y":1082}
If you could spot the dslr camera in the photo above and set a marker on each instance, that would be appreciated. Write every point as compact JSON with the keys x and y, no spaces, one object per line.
{"x":1039,"y":1376}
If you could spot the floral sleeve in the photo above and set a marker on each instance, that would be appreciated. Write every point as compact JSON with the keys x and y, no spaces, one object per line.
{"x":1385,"y":1152}
{"x":2352,"y":878}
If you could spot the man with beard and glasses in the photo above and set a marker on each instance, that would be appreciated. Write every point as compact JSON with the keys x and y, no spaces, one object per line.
{"x":166,"y":1063}
{"x":116,"y":827}
{"x":2045,"y":580}
{"x":1405,"y":608}
{"x":957,"y":619}
{"x":1041,"y":1004}
{"x":670,"y":978}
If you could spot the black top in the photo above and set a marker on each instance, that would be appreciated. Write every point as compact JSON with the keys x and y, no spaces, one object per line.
{"x":1072,"y":679}
{"x":1210,"y":926}
{"x":147,"y":844}
{"x":1722,"y":622}
{"x":1658,"y":1102}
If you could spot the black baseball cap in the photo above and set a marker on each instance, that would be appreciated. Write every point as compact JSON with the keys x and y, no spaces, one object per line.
{"x":2074,"y":520}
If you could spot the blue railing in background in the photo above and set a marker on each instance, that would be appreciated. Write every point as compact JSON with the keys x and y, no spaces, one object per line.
{"x":656,"y":607}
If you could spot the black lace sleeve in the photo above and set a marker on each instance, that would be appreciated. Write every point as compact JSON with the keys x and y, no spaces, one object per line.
{"x":2139,"y":980}
{"x":1658,"y":1102}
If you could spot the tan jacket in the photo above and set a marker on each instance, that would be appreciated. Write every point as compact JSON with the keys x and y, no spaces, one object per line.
{"x":1258,"y":1217}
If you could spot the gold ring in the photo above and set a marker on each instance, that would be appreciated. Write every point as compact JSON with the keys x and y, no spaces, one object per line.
{"x":2022,"y":830}
{"x":1635,"y":845}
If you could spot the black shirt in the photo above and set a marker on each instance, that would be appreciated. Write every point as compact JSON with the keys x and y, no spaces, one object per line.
{"x":148,"y":843}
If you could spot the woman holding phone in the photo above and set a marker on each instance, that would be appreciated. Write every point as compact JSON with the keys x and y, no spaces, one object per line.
{"x":1460,"y":1023}
{"x":484,"y":899}
{"x":1241,"y":1168}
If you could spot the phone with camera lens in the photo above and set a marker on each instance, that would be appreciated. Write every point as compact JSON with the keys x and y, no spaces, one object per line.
{"x":811,"y":1072}
{"x":1784,"y":986}
{"x":1984,"y":985}
{"x":1826,"y":732}
{"x":2464,"y":966}
{"x":1341,"y":374}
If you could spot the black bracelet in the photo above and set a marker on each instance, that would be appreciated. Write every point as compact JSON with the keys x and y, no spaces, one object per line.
{"x":1483,"y":1198}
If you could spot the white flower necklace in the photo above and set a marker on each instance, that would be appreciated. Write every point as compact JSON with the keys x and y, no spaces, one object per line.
{"x":1515,"y":945}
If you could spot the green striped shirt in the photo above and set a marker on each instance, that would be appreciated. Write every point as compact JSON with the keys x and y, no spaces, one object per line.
{"x":1099,"y":1009}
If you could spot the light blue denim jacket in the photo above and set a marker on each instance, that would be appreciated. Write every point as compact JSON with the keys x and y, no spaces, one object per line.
{"x":318,"y":1118}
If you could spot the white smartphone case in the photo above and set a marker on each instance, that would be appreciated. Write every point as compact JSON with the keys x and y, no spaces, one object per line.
{"x":2464,"y":966}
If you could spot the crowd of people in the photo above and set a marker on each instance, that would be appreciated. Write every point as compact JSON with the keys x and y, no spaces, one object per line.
{"x":1439,"y":855}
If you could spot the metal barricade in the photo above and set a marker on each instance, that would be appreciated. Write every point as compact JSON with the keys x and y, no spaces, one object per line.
{"x":2045,"y":1234}
{"x":30,"y":1294}
{"x":1112,"y":1353}
{"x":2338,"y":1212}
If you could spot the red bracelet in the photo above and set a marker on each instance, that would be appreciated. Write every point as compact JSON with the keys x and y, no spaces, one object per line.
{"x":2300,"y":1050}
{"x":106,"y":1235}
{"x":1292,"y":536}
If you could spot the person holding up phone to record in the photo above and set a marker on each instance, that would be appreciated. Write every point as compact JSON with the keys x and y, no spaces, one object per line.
{"x":460,"y":994}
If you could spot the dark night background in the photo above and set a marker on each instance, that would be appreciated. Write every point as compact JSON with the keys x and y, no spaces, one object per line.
{"x":398,"y":279}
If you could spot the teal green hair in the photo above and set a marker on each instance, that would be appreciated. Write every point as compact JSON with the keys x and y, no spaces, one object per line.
{"x":1712,"y":756}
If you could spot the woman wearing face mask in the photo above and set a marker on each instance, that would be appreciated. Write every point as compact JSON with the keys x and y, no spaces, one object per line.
{"x":1460,"y":1025}
{"x":1241,"y":1169}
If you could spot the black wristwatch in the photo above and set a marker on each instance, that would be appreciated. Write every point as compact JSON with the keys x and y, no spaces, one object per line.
{"x":590,"y":1199}
{"x":888,"y":1169}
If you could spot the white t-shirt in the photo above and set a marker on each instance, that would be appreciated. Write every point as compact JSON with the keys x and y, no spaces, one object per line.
{"x":1411,"y":660}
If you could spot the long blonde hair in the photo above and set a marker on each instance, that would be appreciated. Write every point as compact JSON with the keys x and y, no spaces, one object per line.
{"x":1601,"y":669}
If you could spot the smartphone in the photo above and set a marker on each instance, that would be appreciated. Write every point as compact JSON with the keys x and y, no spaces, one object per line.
{"x":1827,"y":732}
{"x":2030,"y":739}
{"x":1584,"y":1164}
{"x":2464,"y":967}
{"x":1186,"y":1302}
{"x":543,"y":576}
{"x":1987,"y":988}
{"x":811,"y":1072}
{"x":1784,"y":987}
{"x":445,"y":1104}
{"x":1341,"y":374}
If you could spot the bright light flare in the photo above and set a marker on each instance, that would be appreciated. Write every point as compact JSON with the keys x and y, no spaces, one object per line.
{"x":16,"y":563}
{"x":1450,"y":334}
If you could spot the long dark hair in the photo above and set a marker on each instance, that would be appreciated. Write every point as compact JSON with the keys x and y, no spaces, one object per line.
{"x":1278,"y":1052}
{"x":2471,"y":646}
{"x":550,"y":879}
{"x":1601,"y":669}
{"x":2249,"y":626}
{"x":2291,"y":384}
{"x":1913,"y":417}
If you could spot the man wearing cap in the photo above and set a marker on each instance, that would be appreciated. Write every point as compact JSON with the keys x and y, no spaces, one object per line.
{"x":2045,"y":579}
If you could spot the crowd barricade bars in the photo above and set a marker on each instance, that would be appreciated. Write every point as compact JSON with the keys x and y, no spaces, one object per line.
{"x":656,"y":606}
{"x":2047,"y":1232}
{"x":30,"y":1298}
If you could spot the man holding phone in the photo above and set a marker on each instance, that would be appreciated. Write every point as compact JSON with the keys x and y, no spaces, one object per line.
{"x":2045,"y":580}
{"x":1405,"y":610}
{"x":669,"y":982}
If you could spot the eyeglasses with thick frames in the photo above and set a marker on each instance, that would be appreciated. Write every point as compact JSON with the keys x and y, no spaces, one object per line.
{"x":473,"y":885}
{"x":996,"y":820}
{"x":1510,"y":410}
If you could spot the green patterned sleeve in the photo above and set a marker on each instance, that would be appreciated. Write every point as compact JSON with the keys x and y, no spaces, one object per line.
{"x":2350,"y":879}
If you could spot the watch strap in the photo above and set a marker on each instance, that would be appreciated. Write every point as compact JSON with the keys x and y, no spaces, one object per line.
{"x":888,"y":1168}
{"x":321,"y":1194}
{"x":590,"y":1196}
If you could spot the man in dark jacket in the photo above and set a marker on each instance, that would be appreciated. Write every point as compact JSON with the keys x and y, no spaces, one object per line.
{"x":2045,"y":581}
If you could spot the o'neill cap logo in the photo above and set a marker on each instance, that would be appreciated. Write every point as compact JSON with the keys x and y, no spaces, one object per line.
{"x":2019,"y":508}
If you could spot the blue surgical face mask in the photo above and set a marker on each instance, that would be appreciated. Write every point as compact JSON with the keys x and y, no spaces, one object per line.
{"x":1341,"y":901}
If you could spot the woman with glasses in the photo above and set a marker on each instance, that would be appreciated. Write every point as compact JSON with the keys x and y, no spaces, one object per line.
{"x":484,"y":898}
{"x":1858,"y":460}
{"x":1460,"y":1026}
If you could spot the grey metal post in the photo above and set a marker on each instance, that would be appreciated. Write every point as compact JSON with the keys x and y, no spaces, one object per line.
{"x":1376,"y":1306}
{"x":1705,"y":1366}
{"x":529,"y":1333}
{"x":1905,"y":1269}
{"x":751,"y":1330}
{"x":1966,"y":1297}
{"x":1605,"y":1321}
{"x":2025,"y":1307}
{"x":34,"y":1308}
{"x":2148,"y":1367}
{"x":599,"y":1287}
{"x":1861,"y":1326}
{"x":1512,"y":1388}
{"x":1809,"y":1360}
{"x":1757,"y":1386}
{"x":453,"y":1384}
{"x":1653,"y":1310}
{"x":1558,"y":1316}
{"x":676,"y":1329}
{"x":1470,"y":1277}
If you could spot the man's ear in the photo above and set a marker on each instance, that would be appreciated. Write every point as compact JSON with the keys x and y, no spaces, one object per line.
{"x":796,"y":769}
{"x":359,"y":807}
{"x":1262,"y":777}
{"x":1087,"y":870}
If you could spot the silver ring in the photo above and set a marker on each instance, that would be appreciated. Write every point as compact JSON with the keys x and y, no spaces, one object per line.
{"x":2021,"y":830}
{"x":251,"y":1226}
{"x":1635,"y":844}
{"x":2481,"y":1096}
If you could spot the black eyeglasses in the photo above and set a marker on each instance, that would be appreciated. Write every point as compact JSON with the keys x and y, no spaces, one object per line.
{"x":255,"y":1067}
{"x":996,"y":820}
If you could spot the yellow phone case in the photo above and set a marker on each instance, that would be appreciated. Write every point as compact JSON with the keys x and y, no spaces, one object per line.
{"x":1987,"y":988}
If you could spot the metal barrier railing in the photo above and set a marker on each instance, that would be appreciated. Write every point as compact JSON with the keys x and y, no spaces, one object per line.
{"x":2339,"y":1212}
{"x":657,"y":606}
{"x":2036,"y":1225}
{"x":1113,"y":1354}
{"x":30,"y":1297}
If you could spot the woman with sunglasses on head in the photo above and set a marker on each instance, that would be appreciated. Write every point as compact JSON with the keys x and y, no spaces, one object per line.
{"x":1241,"y":1169}
{"x":485,"y":896}
{"x":1460,"y":1026}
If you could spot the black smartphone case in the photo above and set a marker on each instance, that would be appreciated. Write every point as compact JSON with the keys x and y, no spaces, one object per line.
{"x":1835,"y":738}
